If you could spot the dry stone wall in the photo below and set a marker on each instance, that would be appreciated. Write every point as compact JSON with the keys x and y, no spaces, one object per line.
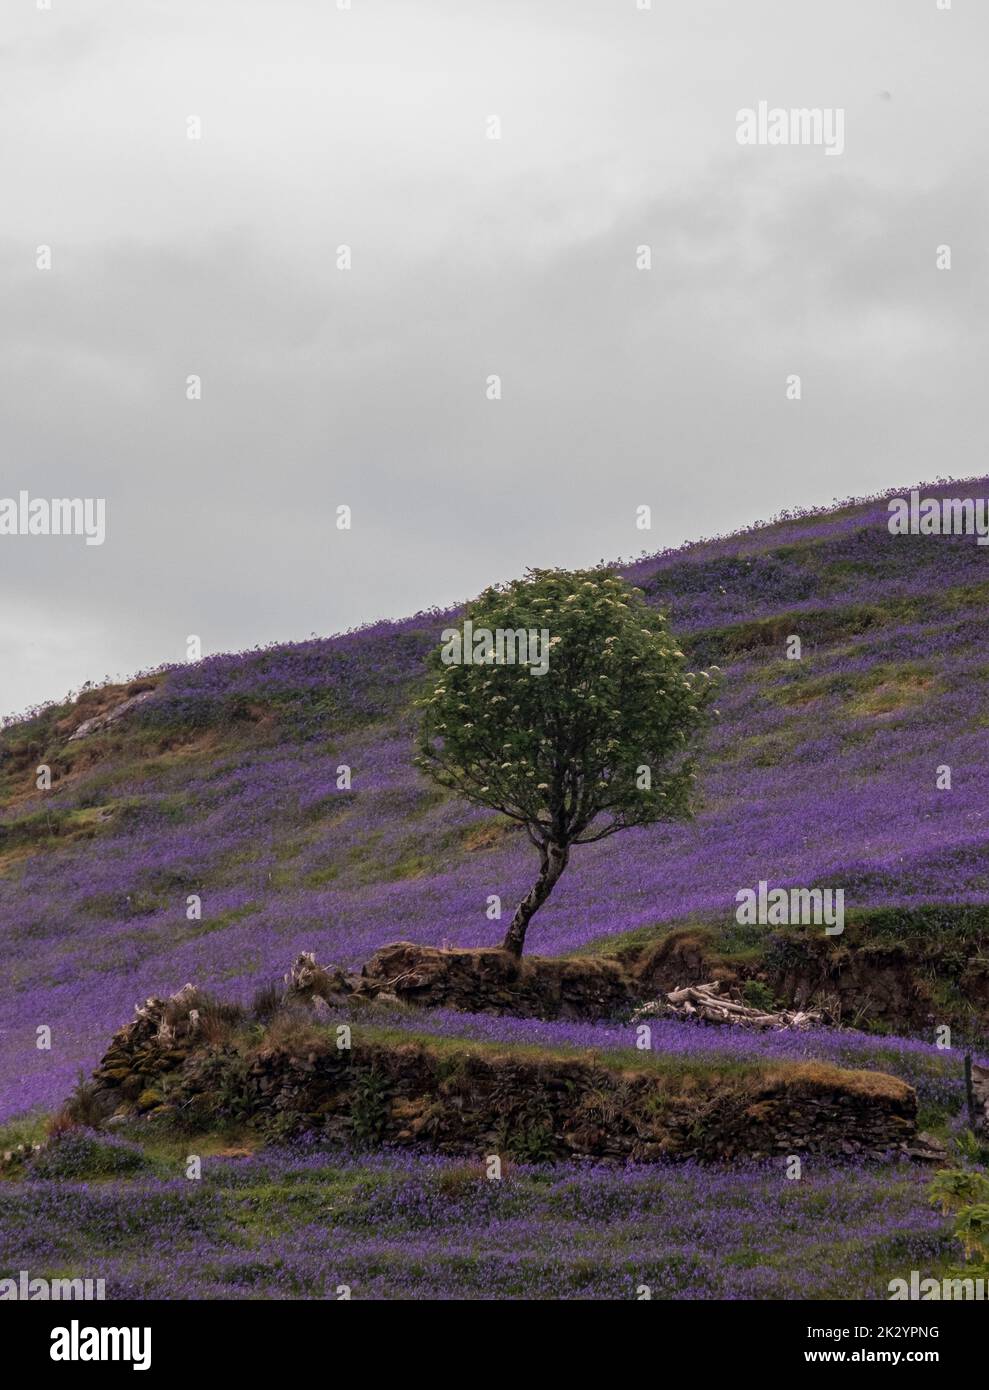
{"x":473,"y":1100}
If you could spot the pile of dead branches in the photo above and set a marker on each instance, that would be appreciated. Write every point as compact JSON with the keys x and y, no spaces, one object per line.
{"x":706,"y":1004}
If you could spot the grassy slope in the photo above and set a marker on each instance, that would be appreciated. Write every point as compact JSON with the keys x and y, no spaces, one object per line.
{"x":221,"y":795}
{"x":224,"y":796}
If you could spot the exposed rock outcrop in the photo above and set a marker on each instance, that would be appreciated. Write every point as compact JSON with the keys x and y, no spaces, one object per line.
{"x":110,"y":716}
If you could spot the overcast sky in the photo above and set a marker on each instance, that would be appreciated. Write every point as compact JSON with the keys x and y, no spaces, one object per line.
{"x":470,"y":257}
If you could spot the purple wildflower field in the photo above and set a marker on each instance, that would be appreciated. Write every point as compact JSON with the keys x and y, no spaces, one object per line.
{"x":824,"y":774}
{"x":819,"y":771}
{"x":413,"y":1226}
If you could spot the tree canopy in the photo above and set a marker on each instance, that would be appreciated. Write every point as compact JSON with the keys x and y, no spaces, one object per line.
{"x":563,"y":701}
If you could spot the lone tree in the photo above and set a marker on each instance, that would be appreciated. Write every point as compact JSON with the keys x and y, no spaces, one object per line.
{"x":563,"y":702}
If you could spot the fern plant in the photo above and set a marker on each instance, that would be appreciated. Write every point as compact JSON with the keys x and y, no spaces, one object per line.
{"x":963,"y":1193}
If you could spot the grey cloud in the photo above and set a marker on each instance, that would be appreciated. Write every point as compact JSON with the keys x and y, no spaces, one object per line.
{"x":470,"y":258}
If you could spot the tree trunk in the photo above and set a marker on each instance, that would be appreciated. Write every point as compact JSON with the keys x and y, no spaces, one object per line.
{"x":554,"y":861}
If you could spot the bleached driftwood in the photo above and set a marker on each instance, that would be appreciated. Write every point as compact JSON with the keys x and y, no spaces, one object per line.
{"x":706,"y":1004}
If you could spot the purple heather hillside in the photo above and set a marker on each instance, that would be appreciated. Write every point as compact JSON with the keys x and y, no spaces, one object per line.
{"x":224,"y":784}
